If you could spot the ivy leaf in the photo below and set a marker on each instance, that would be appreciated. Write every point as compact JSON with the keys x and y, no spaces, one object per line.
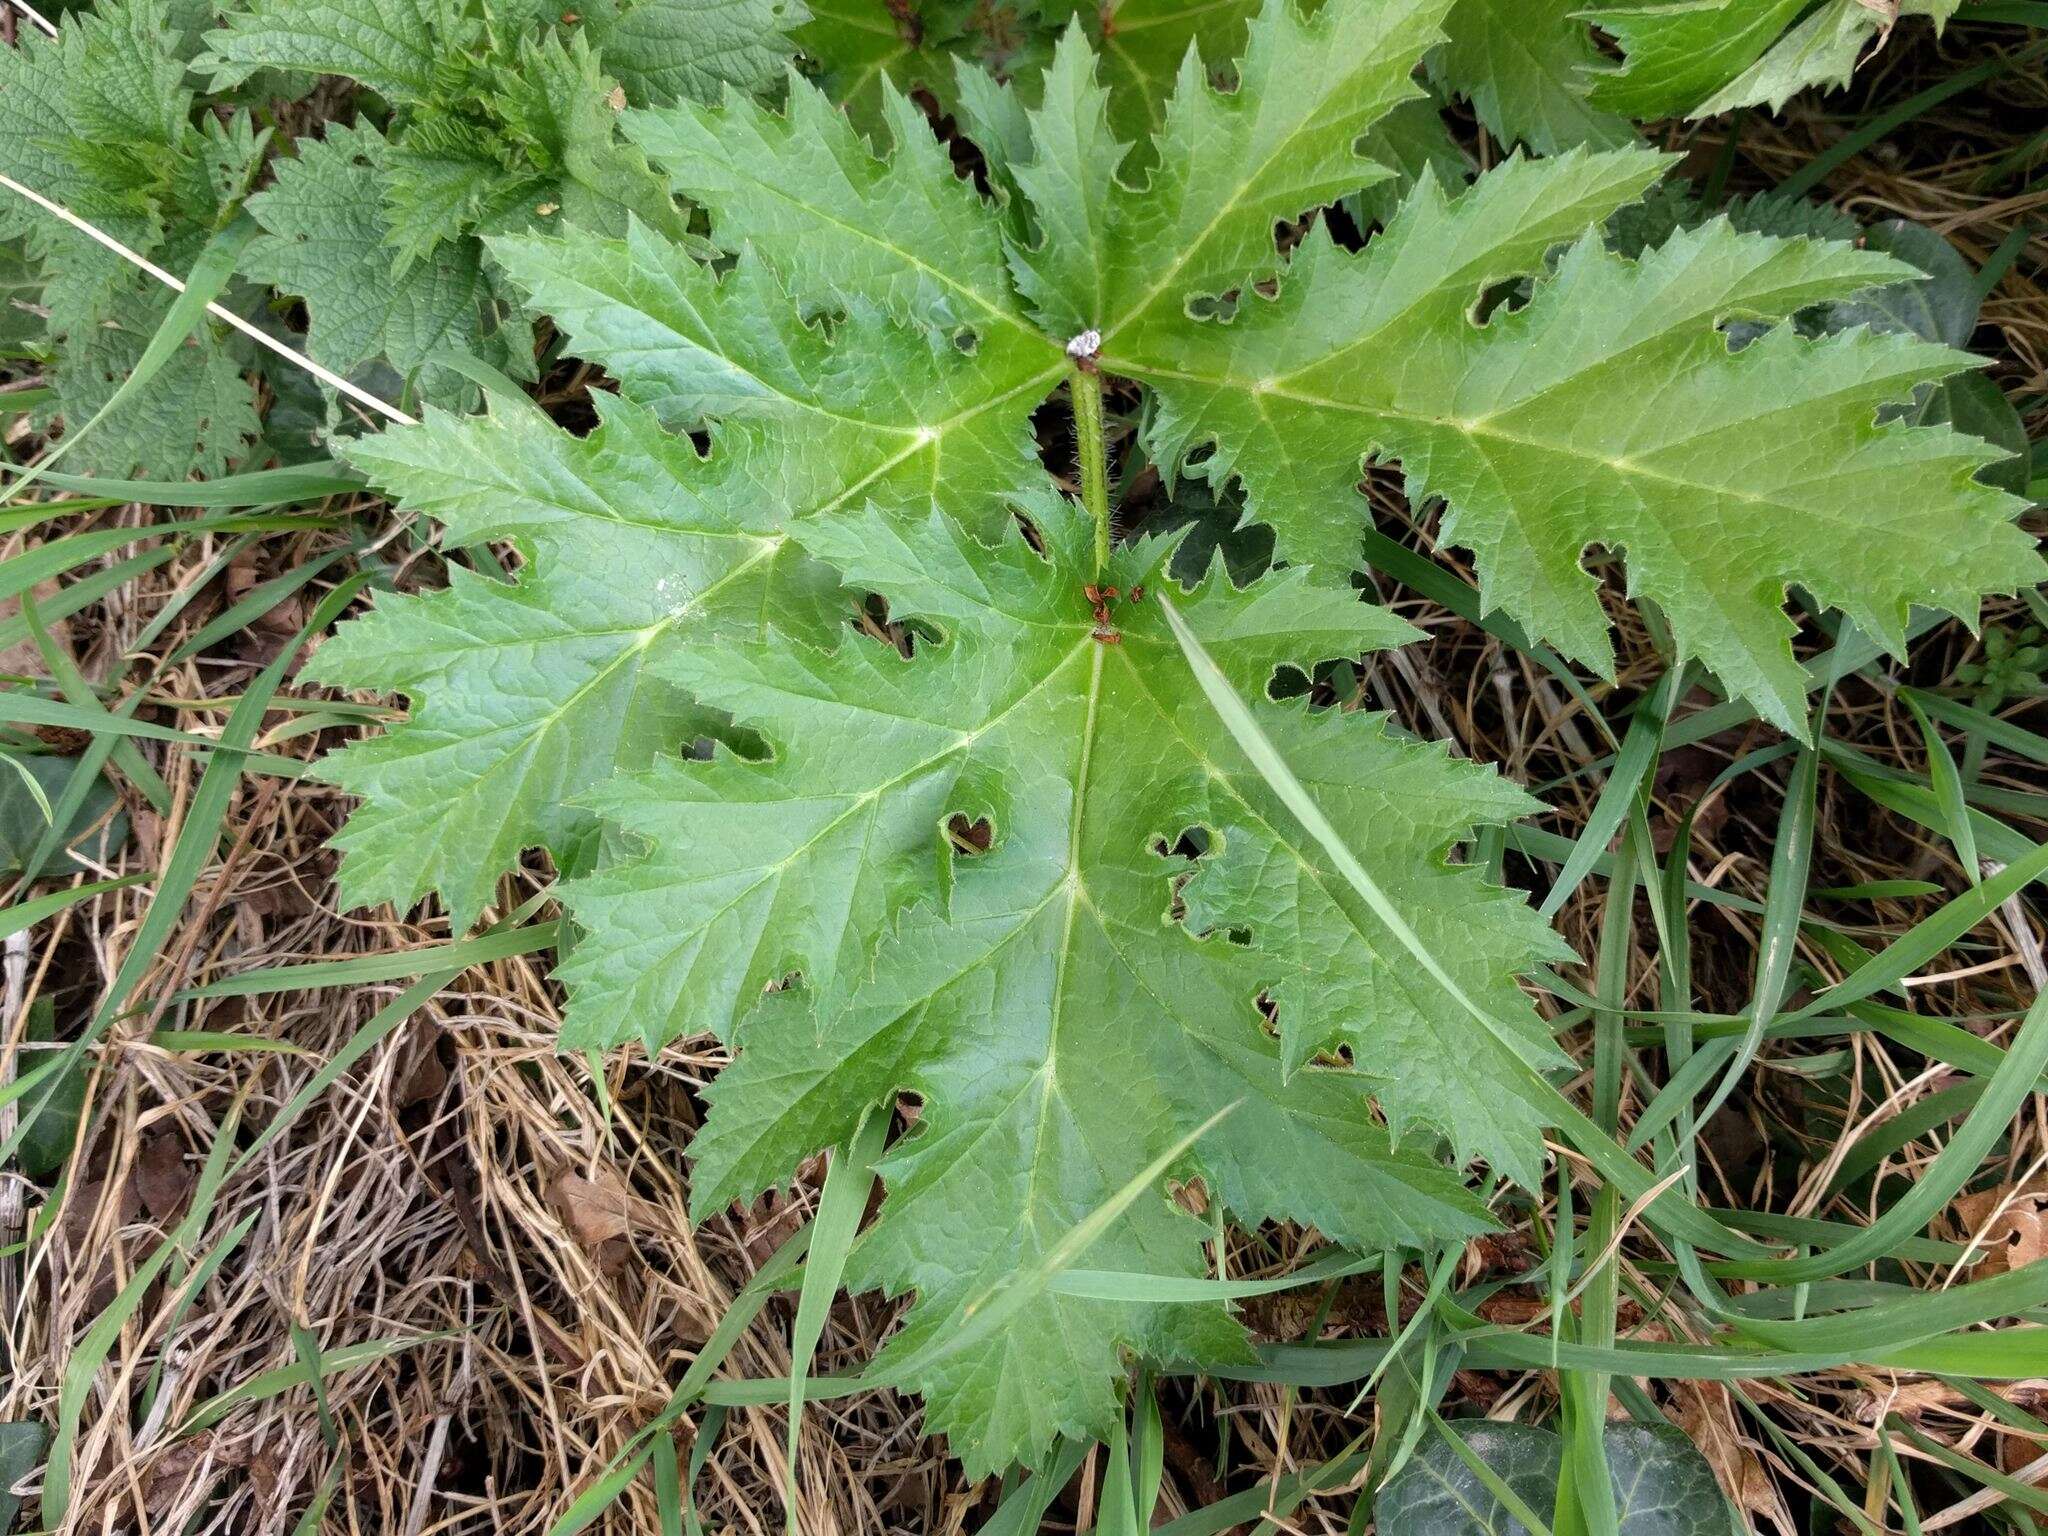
{"x":983,"y":980}
{"x":1436,"y":1494}
{"x":1662,"y":1485}
{"x":1694,"y":60}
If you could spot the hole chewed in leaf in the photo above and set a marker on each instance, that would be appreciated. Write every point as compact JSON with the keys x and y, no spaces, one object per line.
{"x":969,"y":838}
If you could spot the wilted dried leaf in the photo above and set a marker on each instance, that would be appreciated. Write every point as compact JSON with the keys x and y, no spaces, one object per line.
{"x":163,"y":1178}
{"x":597,"y":1208}
{"x":2009,"y":1224}
{"x":1707,"y":1415}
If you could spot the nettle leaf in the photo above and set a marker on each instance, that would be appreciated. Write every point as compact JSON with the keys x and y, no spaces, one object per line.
{"x":21,"y":287}
{"x":98,"y":120}
{"x":665,"y":49}
{"x":503,"y":121}
{"x":327,"y":236}
{"x":1684,"y":58}
{"x":196,"y":416}
{"x":671,"y":50}
{"x":936,"y":811}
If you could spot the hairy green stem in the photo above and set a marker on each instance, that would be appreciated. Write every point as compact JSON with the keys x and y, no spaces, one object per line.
{"x":1093,"y":453}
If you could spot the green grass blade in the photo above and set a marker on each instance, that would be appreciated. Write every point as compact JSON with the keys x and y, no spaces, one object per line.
{"x":1676,"y":1214}
{"x":1625,"y":780}
{"x":83,"y":1364}
{"x":1784,"y":907}
{"x":1925,"y":939}
{"x":498,"y":943}
{"x":1939,"y":1181}
{"x":209,"y":275}
{"x":849,"y":1180}
{"x":1495,"y":1484}
{"x":303,"y":1372}
{"x":314,"y":481}
{"x":64,"y":672}
{"x":194,"y":848}
{"x":1948,"y":790}
{"x":1025,"y":1506}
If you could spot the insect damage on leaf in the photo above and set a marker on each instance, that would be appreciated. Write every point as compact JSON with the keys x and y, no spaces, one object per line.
{"x":1073,"y":999}
{"x":1609,"y":410}
{"x":1012,"y":861}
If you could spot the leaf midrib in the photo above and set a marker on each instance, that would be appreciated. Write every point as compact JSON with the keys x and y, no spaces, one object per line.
{"x":1142,"y":306}
{"x":1478,"y":427}
{"x":868,"y":797}
{"x":1422,"y":1003}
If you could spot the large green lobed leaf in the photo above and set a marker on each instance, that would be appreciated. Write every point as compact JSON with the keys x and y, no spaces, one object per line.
{"x":892,"y":808}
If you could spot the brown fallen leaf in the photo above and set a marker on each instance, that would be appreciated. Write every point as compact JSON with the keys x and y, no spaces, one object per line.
{"x":598,"y":1208}
{"x":74,"y":1227}
{"x":2009,"y":1224}
{"x":1917,"y":1400}
{"x":1707,"y":1415}
{"x":163,"y":1178}
{"x":426,"y":1075}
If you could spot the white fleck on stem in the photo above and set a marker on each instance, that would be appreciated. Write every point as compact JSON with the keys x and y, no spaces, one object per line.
{"x":1084,"y":346}
{"x":298,"y":359}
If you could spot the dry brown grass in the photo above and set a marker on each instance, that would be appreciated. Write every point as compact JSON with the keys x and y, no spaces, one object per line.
{"x":521,"y":1224}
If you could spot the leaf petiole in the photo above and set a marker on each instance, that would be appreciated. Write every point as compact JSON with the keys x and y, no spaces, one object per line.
{"x":1089,"y":446}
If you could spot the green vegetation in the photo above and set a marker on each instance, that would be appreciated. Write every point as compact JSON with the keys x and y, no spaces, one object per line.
{"x":1256,"y":700}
